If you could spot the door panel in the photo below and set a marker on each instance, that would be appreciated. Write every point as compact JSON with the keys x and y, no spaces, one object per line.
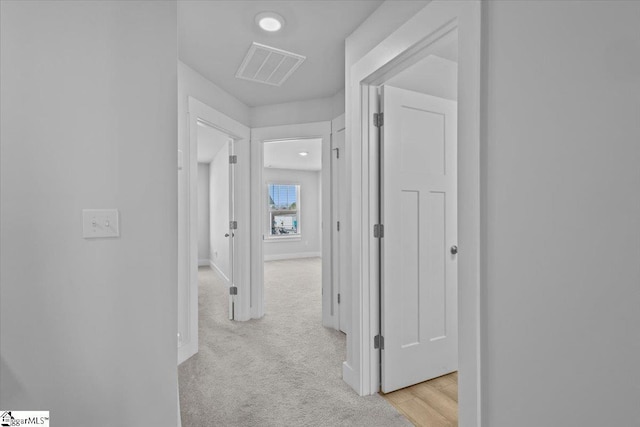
{"x":409,"y":284}
{"x":435,"y":300}
{"x":419,"y":213}
{"x":422,"y":146}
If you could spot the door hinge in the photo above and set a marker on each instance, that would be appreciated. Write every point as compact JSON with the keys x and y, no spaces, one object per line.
{"x":233,"y":159}
{"x":338,"y":298}
{"x":233,"y":225}
{"x":378,"y":231}
{"x":378,"y":119}
{"x":233,"y":290}
{"x":378,"y":342}
{"x":337,"y":150}
{"x":338,"y":225}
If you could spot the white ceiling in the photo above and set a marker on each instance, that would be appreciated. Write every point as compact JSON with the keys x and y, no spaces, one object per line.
{"x":210,"y":141}
{"x":214,"y":36}
{"x":284,"y":154}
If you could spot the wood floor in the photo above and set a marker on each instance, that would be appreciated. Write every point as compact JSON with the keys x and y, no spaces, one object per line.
{"x":432,"y":403}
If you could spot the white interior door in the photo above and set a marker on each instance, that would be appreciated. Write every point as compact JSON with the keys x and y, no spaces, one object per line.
{"x":233,"y":289}
{"x":337,"y":206}
{"x":419,"y":214}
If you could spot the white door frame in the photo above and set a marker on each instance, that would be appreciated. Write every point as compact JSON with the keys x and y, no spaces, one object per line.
{"x":339,"y":236}
{"x":241,"y":135}
{"x":398,"y":51}
{"x":258,"y":137}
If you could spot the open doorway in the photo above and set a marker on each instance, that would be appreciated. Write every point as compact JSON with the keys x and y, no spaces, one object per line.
{"x":297,"y":225}
{"x":418,"y":251}
{"x":401,"y":196}
{"x":215,"y":205}
{"x":214,"y":145}
{"x":292,"y":239}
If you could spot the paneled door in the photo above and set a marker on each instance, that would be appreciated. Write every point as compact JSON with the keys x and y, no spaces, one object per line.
{"x":418,"y":247}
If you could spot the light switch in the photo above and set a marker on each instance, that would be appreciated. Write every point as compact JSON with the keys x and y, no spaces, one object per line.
{"x":100,"y":223}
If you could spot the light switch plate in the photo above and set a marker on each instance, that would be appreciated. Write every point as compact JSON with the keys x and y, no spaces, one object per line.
{"x":100,"y":223}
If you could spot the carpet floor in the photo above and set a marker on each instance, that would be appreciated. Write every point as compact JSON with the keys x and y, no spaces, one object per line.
{"x":282,"y":370}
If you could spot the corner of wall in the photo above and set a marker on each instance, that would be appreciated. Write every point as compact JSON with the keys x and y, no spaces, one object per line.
{"x":339,"y":104}
{"x":382,"y":22}
{"x":192,"y":83}
{"x":293,"y":113}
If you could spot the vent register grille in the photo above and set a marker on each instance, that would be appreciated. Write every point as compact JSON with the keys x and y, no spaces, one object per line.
{"x":268,"y":65}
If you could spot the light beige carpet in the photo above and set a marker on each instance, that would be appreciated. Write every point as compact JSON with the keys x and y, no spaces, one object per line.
{"x":282,"y":370}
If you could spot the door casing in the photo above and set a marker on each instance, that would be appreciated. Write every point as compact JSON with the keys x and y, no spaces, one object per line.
{"x":339,"y":234}
{"x":258,"y":137}
{"x":399,"y":50}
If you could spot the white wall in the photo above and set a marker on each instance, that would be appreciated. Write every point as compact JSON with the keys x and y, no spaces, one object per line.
{"x":88,"y":327}
{"x":219,"y":209}
{"x":338,"y":105}
{"x":203,"y":214}
{"x":190,"y":83}
{"x":381,"y":23}
{"x":313,"y":110}
{"x":562,"y":213}
{"x":292,"y":113}
{"x":310,"y":243}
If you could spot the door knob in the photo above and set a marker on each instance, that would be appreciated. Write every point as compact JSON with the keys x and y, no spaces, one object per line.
{"x":454,"y":250}
{"x":226,"y":234}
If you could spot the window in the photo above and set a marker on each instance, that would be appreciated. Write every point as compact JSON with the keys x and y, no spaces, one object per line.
{"x":284,"y":210}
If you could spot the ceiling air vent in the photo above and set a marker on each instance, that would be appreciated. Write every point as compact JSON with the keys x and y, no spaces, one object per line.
{"x":265,"y":64}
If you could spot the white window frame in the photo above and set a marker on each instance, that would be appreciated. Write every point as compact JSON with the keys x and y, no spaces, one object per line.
{"x":268,"y":237}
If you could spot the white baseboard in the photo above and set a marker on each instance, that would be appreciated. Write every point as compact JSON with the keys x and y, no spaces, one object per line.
{"x":223,"y":276}
{"x":278,"y":257}
{"x":349,"y":376}
{"x":203,"y":263}
{"x":179,"y":424}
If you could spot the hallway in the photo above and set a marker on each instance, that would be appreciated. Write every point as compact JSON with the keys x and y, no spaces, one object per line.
{"x":283,"y":369}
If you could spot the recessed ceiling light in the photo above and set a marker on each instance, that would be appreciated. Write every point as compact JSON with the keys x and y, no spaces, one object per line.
{"x":270,"y":21}
{"x":303,"y":153}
